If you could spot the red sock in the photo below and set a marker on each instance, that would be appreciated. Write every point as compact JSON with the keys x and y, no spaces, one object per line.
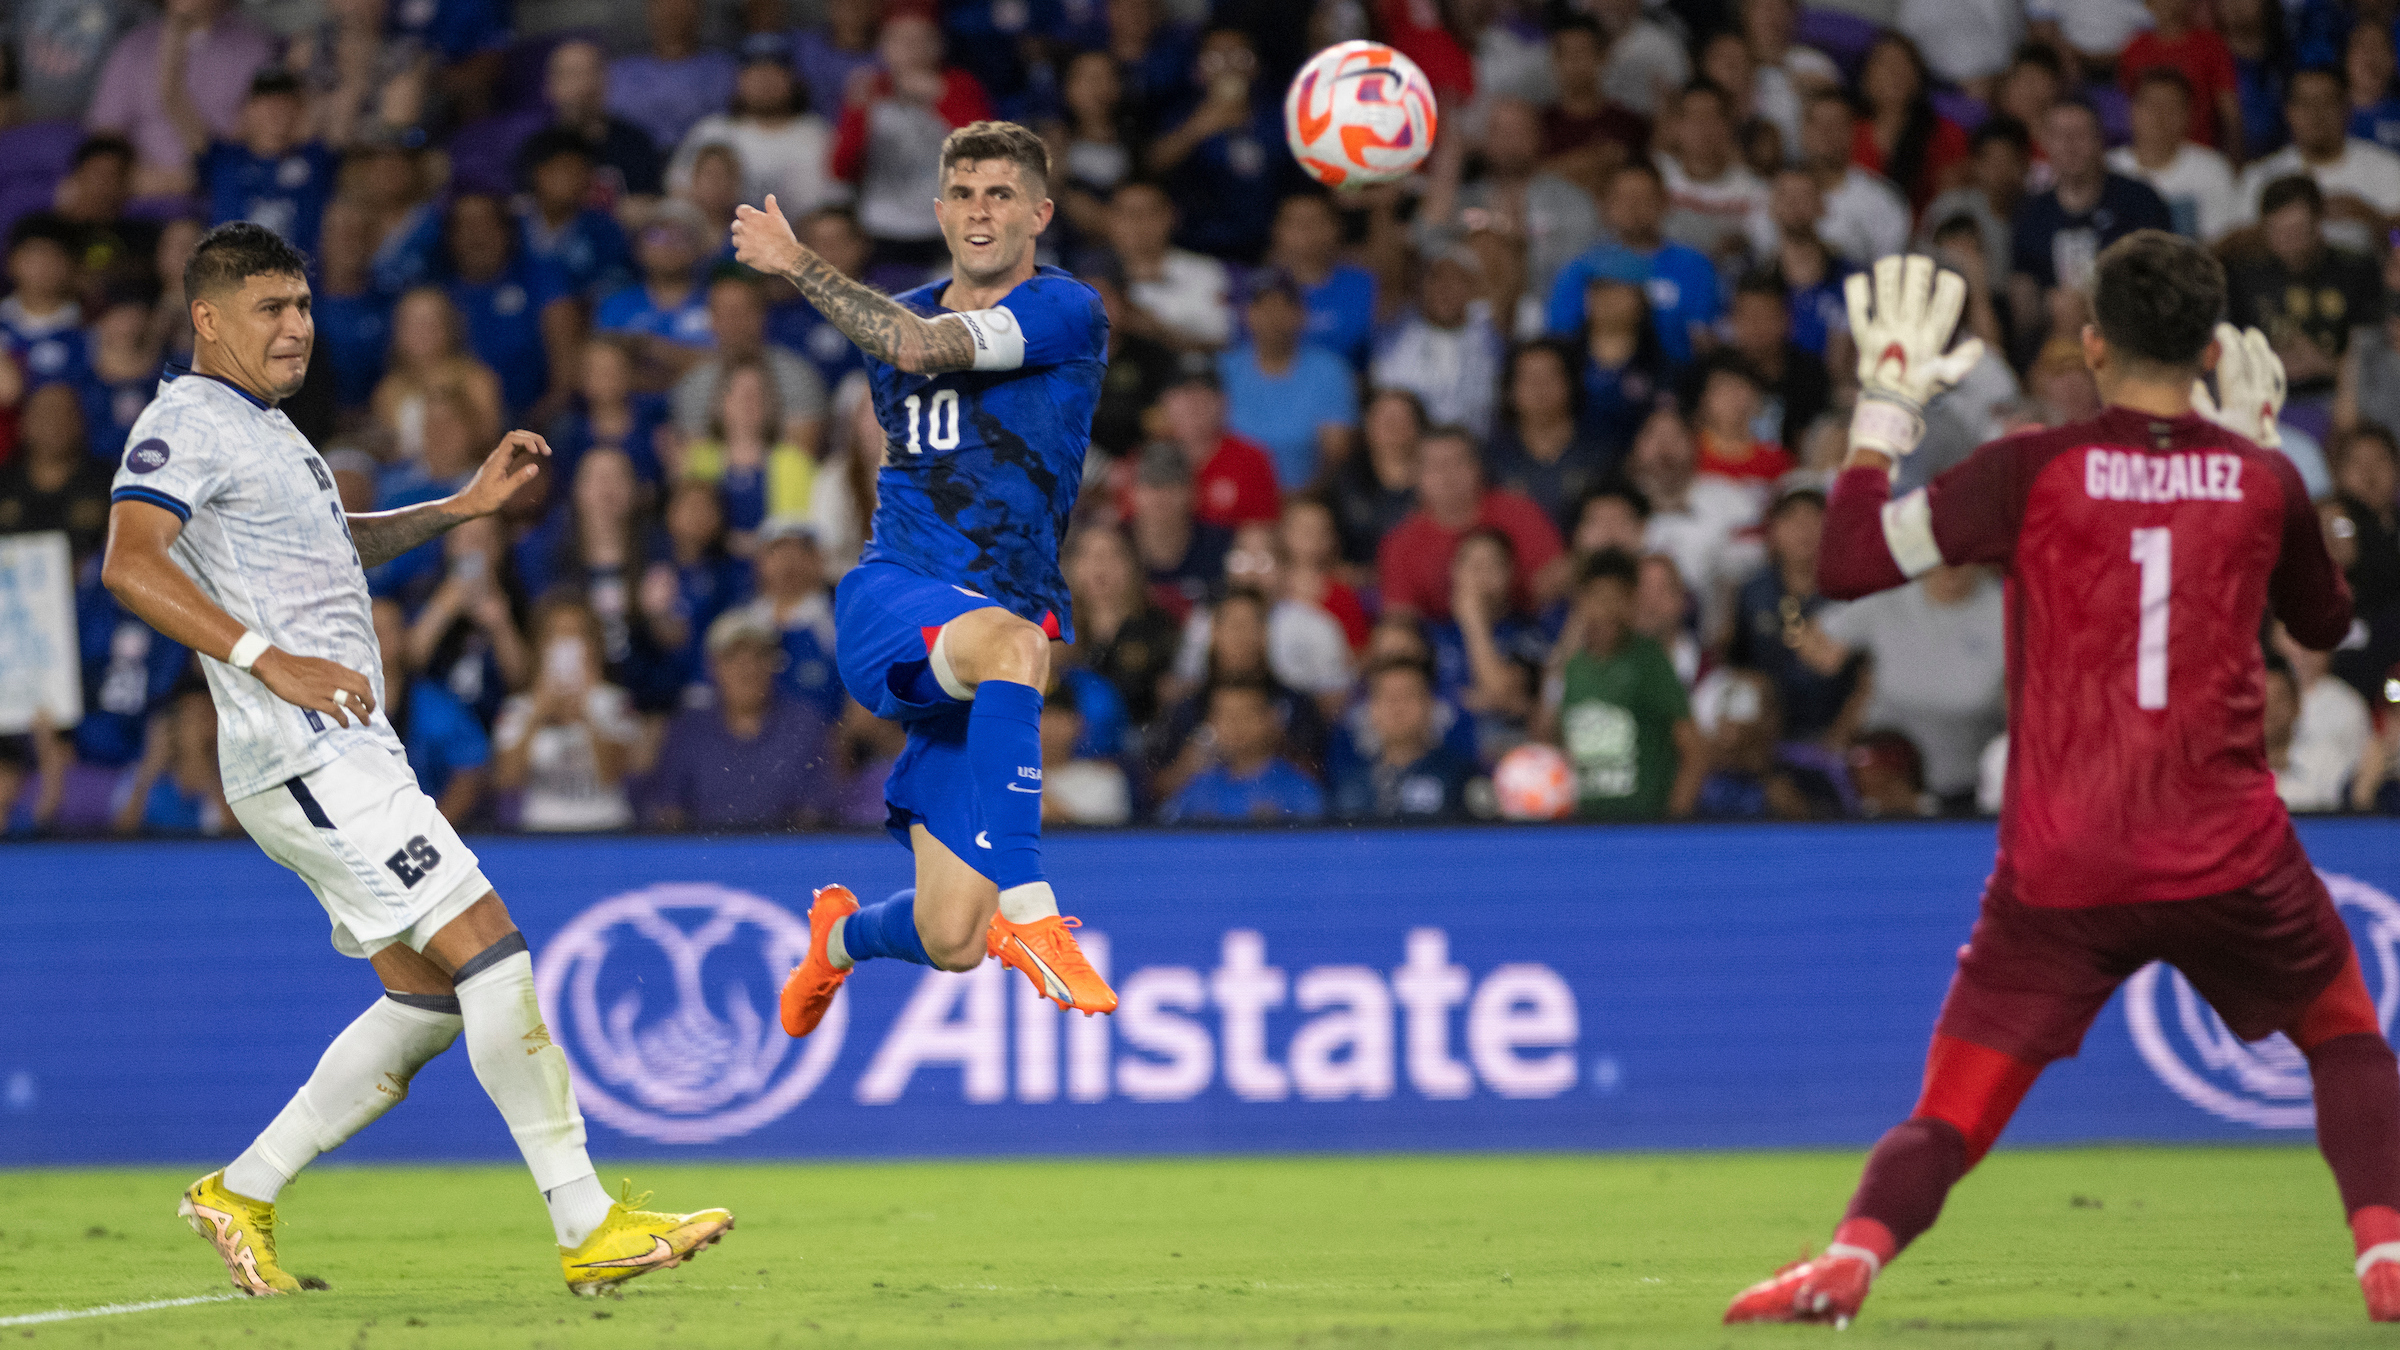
{"x":1870,"y":1234}
{"x":2371,"y":1226}
{"x":1975,"y":1088}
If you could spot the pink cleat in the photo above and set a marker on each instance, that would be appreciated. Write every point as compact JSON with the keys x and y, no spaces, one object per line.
{"x":1826,"y":1288}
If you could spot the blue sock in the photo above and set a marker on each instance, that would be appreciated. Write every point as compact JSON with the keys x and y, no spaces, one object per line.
{"x":1004,"y":751}
{"x":886,"y":930}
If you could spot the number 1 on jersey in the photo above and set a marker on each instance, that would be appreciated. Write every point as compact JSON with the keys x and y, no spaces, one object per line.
{"x":941,"y":428}
{"x":2154,"y":549}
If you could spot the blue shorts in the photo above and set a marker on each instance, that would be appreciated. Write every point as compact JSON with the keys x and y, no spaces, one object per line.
{"x":885,"y":620}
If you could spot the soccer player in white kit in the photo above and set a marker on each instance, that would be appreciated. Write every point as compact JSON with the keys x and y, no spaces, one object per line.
{"x":226,"y":534}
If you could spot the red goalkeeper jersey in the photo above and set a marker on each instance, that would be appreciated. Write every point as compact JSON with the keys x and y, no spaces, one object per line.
{"x":2141,"y":554}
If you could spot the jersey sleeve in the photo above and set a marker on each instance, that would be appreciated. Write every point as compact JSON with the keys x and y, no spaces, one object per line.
{"x":1968,"y":515}
{"x":2306,"y":589}
{"x":1048,"y":321}
{"x":178,"y":464}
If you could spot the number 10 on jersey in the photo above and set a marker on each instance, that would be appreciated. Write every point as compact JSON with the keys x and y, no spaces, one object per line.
{"x":941,"y":422}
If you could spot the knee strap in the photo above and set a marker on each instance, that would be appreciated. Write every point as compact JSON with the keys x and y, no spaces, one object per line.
{"x":487,"y":958}
{"x":432,"y":1003}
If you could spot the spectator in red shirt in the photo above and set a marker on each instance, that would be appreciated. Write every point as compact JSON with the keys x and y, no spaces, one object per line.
{"x":1233,"y":481}
{"x":2205,"y":60}
{"x":1413,"y":565}
{"x":893,"y":122}
{"x":2206,"y":63}
{"x":1727,"y":402}
{"x":1902,"y":137}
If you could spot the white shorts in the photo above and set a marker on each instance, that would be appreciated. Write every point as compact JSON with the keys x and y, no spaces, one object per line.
{"x":380,"y":856}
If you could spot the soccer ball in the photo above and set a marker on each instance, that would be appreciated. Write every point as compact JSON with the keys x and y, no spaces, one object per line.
{"x":1533,"y":782}
{"x":1359,"y":113}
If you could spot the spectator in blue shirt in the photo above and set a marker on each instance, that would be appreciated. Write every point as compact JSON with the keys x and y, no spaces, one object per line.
{"x":41,"y":322}
{"x":1413,"y":774}
{"x":707,"y":579}
{"x":175,"y":787}
{"x":1225,"y":162}
{"x":1681,"y":282}
{"x":825,"y":58}
{"x":674,"y":84}
{"x":833,"y":233}
{"x":519,"y":317}
{"x":794,"y":600}
{"x":559,"y":224}
{"x":667,"y":312}
{"x":270,"y":175}
{"x":756,"y":760}
{"x":2374,"y":112}
{"x":1249,"y":780}
{"x":121,"y":377}
{"x":354,"y":320}
{"x":128,"y":672}
{"x":1298,"y":400}
{"x":607,"y":411}
{"x":447,"y":747}
{"x":1339,"y":296}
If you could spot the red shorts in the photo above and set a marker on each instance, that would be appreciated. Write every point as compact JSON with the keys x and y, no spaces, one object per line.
{"x":2031,"y":978}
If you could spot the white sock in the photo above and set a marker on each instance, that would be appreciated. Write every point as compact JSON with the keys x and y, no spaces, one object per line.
{"x":364,"y":1073}
{"x":837,"y":952}
{"x":526,"y":1076}
{"x":576,"y":1209}
{"x":1024,"y":904}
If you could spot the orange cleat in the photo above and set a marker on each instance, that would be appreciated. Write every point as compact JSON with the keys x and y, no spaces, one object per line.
{"x":1827,"y":1288}
{"x":810,"y":988}
{"x":2379,"y":1280}
{"x":1047,"y":953}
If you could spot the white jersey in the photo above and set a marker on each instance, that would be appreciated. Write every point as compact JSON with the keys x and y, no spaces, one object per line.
{"x":265,"y":538}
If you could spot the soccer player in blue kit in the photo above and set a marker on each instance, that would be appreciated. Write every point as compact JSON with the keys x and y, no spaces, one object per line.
{"x":985,"y":385}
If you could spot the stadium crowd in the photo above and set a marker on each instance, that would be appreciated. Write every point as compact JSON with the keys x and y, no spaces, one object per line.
{"x":1531,"y":448}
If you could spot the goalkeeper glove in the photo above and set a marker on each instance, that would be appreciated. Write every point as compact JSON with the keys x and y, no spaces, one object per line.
{"x":1901,"y":318}
{"x":2250,"y":376}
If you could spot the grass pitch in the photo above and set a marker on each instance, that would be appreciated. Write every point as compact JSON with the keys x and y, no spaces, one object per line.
{"x":2103,"y":1247}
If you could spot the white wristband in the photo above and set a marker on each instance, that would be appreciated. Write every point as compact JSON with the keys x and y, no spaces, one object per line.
{"x":247,"y":650}
{"x":1885,"y":425}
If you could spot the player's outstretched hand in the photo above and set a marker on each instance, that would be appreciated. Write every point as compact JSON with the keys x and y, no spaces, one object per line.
{"x":312,"y":682}
{"x":511,"y":465}
{"x":2251,"y":381}
{"x":1902,"y":318}
{"x":763,"y":240}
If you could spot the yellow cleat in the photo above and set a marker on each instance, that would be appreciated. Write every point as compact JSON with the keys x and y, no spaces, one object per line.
{"x":243,"y":1232}
{"x":631,"y":1242}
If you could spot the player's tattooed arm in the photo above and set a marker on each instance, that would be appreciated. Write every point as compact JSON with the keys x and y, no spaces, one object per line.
{"x":384,"y":535}
{"x":881,"y":327}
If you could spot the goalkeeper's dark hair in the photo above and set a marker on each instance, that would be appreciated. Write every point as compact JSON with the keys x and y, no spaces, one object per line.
{"x":232,"y":253}
{"x":2157,"y":298}
{"x":1001,"y":140}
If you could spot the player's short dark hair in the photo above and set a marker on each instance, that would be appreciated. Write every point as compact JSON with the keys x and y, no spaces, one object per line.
{"x":275,"y":83}
{"x":104,"y":144}
{"x":2166,"y":75}
{"x":2157,"y":297}
{"x":2291,"y":189}
{"x":234,"y":252}
{"x":1609,"y":564}
{"x":1000,"y":140}
{"x":2006,"y":129}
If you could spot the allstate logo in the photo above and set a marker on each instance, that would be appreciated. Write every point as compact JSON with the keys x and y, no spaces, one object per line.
{"x":2264,"y":1083}
{"x":665,"y":1001}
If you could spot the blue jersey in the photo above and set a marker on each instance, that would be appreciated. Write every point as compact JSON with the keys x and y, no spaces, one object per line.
{"x":984,"y":465}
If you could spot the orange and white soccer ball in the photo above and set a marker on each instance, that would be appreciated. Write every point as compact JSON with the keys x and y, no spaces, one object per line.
{"x":1359,"y":113}
{"x":1534,"y":782}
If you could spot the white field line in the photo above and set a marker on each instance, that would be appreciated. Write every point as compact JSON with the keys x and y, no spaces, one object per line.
{"x":110,"y":1310}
